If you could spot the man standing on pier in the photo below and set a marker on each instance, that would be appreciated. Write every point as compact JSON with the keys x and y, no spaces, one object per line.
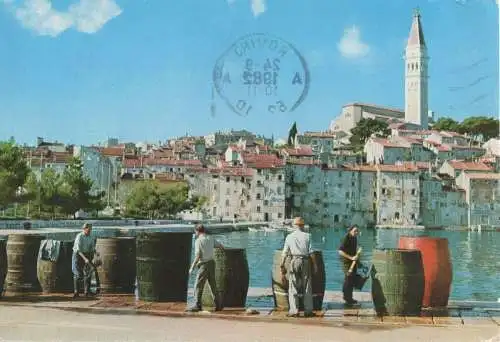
{"x":204,"y":258}
{"x":81,"y":265}
{"x":298,"y":246}
{"x":348,"y":252}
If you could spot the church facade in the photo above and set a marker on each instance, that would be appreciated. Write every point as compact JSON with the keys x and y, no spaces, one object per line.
{"x":416,"y":110}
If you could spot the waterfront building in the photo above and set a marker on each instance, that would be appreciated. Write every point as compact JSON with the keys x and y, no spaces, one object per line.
{"x":398,"y":195}
{"x":482,"y":195}
{"x":442,"y":203}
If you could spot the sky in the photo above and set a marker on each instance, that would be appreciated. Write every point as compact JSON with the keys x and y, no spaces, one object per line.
{"x":80,"y":71}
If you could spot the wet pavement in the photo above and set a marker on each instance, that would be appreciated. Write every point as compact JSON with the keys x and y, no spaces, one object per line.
{"x":260,"y":308}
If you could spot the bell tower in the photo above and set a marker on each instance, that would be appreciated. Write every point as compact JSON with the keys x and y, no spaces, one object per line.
{"x":416,"y":75}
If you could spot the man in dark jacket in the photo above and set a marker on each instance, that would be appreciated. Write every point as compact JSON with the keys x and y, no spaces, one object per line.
{"x":347,"y":251}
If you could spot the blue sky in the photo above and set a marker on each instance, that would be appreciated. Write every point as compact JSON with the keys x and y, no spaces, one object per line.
{"x":142,"y":69}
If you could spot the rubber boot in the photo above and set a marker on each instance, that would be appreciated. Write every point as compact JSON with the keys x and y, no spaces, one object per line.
{"x":86,"y":285}
{"x":75,"y":288}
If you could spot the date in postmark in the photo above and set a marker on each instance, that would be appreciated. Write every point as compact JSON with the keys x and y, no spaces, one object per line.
{"x":261,"y":73}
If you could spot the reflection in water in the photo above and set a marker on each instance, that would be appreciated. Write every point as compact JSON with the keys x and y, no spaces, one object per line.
{"x":475,"y":257}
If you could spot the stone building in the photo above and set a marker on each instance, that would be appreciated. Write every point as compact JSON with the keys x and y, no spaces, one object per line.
{"x":442,"y":205}
{"x":398,"y":195}
{"x":482,"y":195}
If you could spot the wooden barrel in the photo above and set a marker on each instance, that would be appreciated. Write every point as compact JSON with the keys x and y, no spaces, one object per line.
{"x":280,"y":286}
{"x":22,"y":256}
{"x":3,"y":264}
{"x":56,"y":276}
{"x":117,"y":264}
{"x":163,"y":261}
{"x":437,"y":268}
{"x":397,"y":282}
{"x":232,"y":278}
{"x":64,"y":281}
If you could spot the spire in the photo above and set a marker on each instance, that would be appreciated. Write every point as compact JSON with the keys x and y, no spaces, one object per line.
{"x":416,"y":32}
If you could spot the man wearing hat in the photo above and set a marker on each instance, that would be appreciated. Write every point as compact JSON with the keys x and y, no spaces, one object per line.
{"x":298,"y":248}
{"x":81,"y":263}
{"x":204,"y":249}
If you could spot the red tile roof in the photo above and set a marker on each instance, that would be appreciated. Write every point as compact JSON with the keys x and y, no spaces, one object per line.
{"x":262,"y":161}
{"x":422,"y":165}
{"x":303,"y":151}
{"x":386,"y":143}
{"x":397,"y":168}
{"x":112,"y":151}
{"x":483,"y":176}
{"x":469,"y":166}
{"x":233,"y":171}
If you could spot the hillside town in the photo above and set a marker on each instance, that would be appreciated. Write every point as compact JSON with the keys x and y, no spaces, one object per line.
{"x":413,"y":175}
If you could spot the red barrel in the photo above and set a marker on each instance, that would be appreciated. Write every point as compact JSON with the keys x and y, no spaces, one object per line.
{"x":437,"y":268}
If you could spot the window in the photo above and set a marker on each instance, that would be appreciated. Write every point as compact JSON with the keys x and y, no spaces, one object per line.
{"x":280,"y":177}
{"x":259,"y":171}
{"x":258,"y":196}
{"x":266,"y":202}
{"x":384,"y":191}
{"x":267,"y":177}
{"x":258,"y":209}
{"x":248,"y":197}
{"x":412,"y":216}
{"x":280,"y":215}
{"x":242,"y":179}
{"x":413,"y":192}
{"x":227,"y":179}
{"x":242,"y":203}
{"x":215,"y":186}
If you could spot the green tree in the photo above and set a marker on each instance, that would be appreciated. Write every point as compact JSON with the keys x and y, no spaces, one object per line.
{"x":446,"y":124}
{"x":45,"y":193}
{"x":292,"y":134}
{"x":77,"y":190}
{"x":13,"y":172}
{"x":151,"y":199}
{"x":480,"y":125}
{"x":365,"y":128}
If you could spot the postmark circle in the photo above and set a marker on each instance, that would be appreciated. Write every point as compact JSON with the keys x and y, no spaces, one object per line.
{"x":261,"y":73}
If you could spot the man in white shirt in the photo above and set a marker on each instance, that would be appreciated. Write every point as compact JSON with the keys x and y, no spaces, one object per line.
{"x":298,"y":248}
{"x":81,"y":265}
{"x":204,"y":258}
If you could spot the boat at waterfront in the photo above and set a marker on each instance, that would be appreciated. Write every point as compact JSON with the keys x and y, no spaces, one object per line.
{"x":286,"y":225}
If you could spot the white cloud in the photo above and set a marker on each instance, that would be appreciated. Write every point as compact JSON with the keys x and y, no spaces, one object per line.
{"x":258,"y":7}
{"x":87,"y":16}
{"x":351,"y":45}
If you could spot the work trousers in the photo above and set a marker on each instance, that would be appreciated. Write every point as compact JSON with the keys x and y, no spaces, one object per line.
{"x":348,"y":286}
{"x":299,"y":280}
{"x":206,"y":272}
{"x":82,"y":271}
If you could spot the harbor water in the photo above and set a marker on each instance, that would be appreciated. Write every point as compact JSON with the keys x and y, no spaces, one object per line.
{"x":475,"y":256}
